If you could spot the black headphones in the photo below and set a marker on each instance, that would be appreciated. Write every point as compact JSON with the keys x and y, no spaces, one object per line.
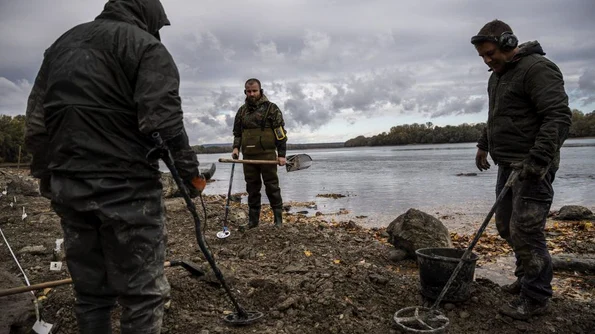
{"x":506,"y":41}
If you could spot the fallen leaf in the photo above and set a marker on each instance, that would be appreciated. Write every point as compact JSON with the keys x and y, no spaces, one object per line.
{"x":308,"y":253}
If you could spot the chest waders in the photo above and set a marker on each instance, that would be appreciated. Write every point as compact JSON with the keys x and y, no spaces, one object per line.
{"x":260,"y":144}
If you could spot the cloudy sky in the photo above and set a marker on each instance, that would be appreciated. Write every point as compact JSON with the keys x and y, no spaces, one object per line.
{"x":336,"y":68}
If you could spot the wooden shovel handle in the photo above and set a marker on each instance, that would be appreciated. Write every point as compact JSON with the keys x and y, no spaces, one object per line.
{"x":39,"y":286}
{"x":50,"y":284}
{"x":256,"y":162}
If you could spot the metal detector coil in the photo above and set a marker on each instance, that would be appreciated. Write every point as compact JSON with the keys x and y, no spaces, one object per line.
{"x":223,"y":234}
{"x":241,"y":320}
{"x":417,"y":319}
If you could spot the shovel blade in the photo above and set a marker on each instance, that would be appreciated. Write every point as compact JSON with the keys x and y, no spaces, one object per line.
{"x":298,"y":162}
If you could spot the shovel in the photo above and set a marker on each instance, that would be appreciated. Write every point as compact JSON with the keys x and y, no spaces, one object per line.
{"x":294,"y":162}
{"x":192,"y":268}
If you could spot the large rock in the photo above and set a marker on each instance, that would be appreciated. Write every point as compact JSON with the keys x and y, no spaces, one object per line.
{"x":416,"y":229}
{"x":170,"y":189}
{"x":574,"y":212}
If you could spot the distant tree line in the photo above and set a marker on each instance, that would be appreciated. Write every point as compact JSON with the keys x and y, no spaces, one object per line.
{"x":12,"y":135}
{"x":421,"y":134}
{"x":583,"y":125}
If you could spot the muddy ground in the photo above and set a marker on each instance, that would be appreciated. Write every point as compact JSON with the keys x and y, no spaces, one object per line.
{"x":313,"y":275}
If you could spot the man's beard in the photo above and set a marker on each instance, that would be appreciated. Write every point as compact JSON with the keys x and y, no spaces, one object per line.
{"x":251,"y":100}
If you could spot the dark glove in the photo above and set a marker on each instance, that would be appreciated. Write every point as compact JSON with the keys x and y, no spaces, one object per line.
{"x":530,"y":169}
{"x":45,"y":187}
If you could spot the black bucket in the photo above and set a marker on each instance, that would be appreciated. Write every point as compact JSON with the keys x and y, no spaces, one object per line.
{"x":436,"y":265}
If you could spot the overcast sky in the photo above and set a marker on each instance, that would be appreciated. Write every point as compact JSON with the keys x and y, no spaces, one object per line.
{"x":336,"y":68}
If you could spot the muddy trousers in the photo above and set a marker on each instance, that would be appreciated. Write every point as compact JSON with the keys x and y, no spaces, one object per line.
{"x":268,"y":173}
{"x":520,"y":220}
{"x":115,"y":238}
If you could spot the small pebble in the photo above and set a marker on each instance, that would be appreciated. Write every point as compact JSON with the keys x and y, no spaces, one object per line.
{"x":449,"y":306}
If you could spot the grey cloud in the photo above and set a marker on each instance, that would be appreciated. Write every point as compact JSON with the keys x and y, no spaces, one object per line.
{"x":460,"y":106}
{"x":345,"y":59}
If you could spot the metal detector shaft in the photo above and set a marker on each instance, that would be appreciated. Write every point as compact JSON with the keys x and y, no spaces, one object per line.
{"x":168,"y":160}
{"x":511,"y":180}
{"x":228,"y":196}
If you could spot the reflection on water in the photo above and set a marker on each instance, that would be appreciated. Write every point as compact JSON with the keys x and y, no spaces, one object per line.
{"x":383,"y":182}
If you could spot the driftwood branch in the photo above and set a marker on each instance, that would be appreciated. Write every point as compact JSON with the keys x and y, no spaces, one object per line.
{"x":570,"y":262}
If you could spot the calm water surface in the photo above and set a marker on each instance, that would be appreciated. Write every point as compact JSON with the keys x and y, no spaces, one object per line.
{"x":383,"y":182}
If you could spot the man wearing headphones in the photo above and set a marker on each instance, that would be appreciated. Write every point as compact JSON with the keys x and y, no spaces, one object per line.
{"x":259,"y":132}
{"x":528,"y":121}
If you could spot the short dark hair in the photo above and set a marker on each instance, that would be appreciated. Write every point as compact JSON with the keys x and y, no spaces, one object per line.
{"x":494,"y":28}
{"x":251,"y":81}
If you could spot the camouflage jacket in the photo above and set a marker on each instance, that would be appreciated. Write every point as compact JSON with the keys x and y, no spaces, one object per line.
{"x":253,"y":117}
{"x":103,"y":88}
{"x":529,"y":117}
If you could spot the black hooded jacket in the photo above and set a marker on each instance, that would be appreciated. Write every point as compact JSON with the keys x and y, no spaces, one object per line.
{"x":529,"y":117}
{"x":103,"y":88}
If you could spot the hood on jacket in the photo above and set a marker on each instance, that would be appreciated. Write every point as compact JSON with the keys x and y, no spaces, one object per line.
{"x":528,"y":48}
{"x":148,"y":15}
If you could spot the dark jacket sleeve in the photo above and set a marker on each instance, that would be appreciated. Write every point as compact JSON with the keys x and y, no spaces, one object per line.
{"x":545,"y":85}
{"x":278,"y":124}
{"x":36,"y":136}
{"x":482,"y":142}
{"x":237,"y":129}
{"x":159,"y":107}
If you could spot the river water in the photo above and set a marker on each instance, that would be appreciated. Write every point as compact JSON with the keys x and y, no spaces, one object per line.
{"x":383,"y":182}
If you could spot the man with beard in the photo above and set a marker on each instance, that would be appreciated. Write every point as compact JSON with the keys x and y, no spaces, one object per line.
{"x":528,"y":121}
{"x":259,"y":133}
{"x":103,"y":89}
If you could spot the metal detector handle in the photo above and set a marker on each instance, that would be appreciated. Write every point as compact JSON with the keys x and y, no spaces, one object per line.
{"x":509,"y":183}
{"x":248,"y":161}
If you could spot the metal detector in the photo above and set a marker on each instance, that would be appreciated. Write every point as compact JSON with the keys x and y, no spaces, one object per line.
{"x":241,"y":316}
{"x":418,"y":319}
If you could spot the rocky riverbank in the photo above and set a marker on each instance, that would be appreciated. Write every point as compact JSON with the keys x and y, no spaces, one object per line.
{"x":317,"y":274}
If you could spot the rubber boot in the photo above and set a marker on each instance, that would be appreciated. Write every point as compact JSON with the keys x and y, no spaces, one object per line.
{"x":253,"y":216}
{"x":278,"y":214}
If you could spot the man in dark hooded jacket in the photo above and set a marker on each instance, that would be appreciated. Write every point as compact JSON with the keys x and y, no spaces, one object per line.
{"x":528,"y":121}
{"x":103,"y":88}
